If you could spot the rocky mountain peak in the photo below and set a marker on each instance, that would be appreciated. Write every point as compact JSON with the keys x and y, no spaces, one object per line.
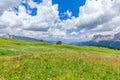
{"x":98,"y":38}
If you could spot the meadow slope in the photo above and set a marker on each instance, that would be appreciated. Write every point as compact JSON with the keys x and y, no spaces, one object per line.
{"x":33,"y":60}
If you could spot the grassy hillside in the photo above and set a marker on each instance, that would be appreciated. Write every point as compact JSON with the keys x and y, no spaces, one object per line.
{"x":18,"y":47}
{"x":31,"y":60}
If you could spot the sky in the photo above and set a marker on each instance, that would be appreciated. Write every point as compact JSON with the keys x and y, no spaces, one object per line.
{"x":65,"y":20}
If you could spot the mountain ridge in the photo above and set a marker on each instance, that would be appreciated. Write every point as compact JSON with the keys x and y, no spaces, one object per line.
{"x":104,"y":40}
{"x":98,"y":38}
{"x":19,"y":37}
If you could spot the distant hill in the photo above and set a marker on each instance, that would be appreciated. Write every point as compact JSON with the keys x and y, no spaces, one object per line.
{"x":23,"y":38}
{"x":19,"y":37}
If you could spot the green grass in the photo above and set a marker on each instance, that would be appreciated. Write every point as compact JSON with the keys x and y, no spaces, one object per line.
{"x":32,"y":60}
{"x":19,"y":47}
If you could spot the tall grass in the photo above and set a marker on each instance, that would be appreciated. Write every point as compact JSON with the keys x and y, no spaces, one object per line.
{"x":60,"y":66}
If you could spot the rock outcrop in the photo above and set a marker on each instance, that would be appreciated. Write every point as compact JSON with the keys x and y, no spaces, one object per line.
{"x":98,"y":38}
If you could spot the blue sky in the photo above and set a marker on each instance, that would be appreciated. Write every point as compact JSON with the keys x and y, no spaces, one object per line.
{"x":63,"y":5}
{"x":71,"y":5}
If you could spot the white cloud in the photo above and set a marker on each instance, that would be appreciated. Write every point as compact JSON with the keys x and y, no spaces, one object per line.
{"x":74,"y":33}
{"x":7,"y":4}
{"x":46,"y":18}
{"x":95,"y":17}
{"x":32,"y":4}
{"x":68,"y":13}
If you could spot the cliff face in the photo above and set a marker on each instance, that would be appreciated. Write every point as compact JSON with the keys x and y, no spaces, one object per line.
{"x":98,"y":38}
{"x":104,"y":40}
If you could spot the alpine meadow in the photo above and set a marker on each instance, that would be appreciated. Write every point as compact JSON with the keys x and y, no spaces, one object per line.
{"x":31,"y":60}
{"x":59,"y":39}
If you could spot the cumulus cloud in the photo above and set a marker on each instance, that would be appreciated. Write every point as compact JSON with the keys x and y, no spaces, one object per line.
{"x":97,"y":12}
{"x":7,"y":4}
{"x":46,"y":18}
{"x":95,"y":17}
{"x":68,"y":13}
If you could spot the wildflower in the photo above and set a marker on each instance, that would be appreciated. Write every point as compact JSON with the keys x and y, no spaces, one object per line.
{"x":17,"y":66}
{"x":1,"y":79}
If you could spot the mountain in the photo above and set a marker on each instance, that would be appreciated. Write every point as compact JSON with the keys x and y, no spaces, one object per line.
{"x":109,"y":43}
{"x":98,"y":38}
{"x":103,"y":40}
{"x":23,"y":38}
{"x":19,"y":37}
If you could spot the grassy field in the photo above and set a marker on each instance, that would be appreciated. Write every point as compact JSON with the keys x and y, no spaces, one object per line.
{"x":32,"y":60}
